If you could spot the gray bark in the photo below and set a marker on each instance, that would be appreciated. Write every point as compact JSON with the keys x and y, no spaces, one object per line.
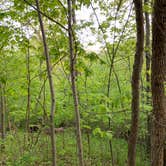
{"x":49,"y":72}
{"x":71,"y":20}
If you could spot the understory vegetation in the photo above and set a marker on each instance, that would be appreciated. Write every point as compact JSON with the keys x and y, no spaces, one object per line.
{"x":37,"y":151}
{"x":82,"y":83}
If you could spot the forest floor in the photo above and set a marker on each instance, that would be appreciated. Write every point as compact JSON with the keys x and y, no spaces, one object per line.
{"x":36,"y":152}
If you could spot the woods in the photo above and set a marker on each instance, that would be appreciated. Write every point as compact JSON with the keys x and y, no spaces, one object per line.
{"x":82,"y":82}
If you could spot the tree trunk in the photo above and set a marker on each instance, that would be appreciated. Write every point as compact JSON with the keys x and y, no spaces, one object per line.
{"x":28,"y":89}
{"x":73,"y":80}
{"x":48,"y":64}
{"x":136,"y":83}
{"x":158,"y":81}
{"x":45,"y":117}
{"x":2,"y":116}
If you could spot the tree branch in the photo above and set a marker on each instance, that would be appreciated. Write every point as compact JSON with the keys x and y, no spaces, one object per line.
{"x":44,"y":14}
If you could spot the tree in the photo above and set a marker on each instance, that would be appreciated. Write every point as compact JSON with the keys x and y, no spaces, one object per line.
{"x":48,"y":64}
{"x":71,"y":21}
{"x":158,"y":83}
{"x":2,"y":112}
{"x":28,"y":88}
{"x":136,"y":83}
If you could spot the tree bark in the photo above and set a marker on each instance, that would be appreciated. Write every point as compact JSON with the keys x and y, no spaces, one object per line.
{"x":158,"y":83}
{"x":73,"y":79}
{"x":48,"y":64}
{"x":136,"y":83}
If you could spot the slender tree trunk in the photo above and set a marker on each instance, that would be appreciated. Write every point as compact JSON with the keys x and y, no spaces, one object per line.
{"x":48,"y":64}
{"x":73,"y":80}
{"x":108,"y":106}
{"x":45,"y":117}
{"x":136,"y":75}
{"x":28,"y":89}
{"x":2,"y":116}
{"x":158,"y":83}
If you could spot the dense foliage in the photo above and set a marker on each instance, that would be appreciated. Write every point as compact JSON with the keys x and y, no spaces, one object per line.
{"x":104,"y":97}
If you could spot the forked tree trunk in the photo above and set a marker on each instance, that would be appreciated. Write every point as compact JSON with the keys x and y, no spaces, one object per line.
{"x":48,"y":64}
{"x":73,"y":80}
{"x":158,"y":81}
{"x":136,"y":83}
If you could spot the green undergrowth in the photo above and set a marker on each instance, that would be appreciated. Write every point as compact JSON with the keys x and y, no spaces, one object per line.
{"x":19,"y":151}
